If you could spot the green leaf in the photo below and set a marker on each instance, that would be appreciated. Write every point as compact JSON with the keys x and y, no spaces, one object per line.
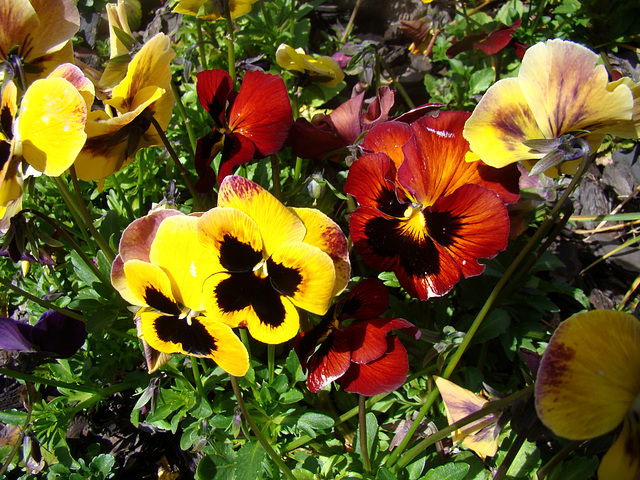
{"x":384,"y":474}
{"x":481,"y":80}
{"x":103,"y":463}
{"x":496,"y":323}
{"x":13,"y":417}
{"x":450,"y":471}
{"x":575,"y":469}
{"x":310,"y":422}
{"x":291,"y":396}
{"x":372,"y":433}
{"x":249,"y":464}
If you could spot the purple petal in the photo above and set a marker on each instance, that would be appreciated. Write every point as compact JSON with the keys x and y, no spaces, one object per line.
{"x":58,"y":334}
{"x":14,"y":335}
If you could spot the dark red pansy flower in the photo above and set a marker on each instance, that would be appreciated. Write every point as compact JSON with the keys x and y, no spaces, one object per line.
{"x":251,"y":123}
{"x":425,"y":212}
{"x":362,"y":358}
{"x":491,"y":42}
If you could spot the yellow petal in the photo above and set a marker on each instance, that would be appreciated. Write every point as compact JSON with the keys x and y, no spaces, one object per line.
{"x":324,"y":233}
{"x":481,"y":436}
{"x":75,"y":77}
{"x":589,"y":376}
{"x":567,"y":92}
{"x":18,"y":19}
{"x":277,"y":224}
{"x":176,"y":249}
{"x":198,"y":336}
{"x":296,"y":59}
{"x":151,"y":287}
{"x":622,"y":461}
{"x":8,"y":106}
{"x":500,"y":123}
{"x":630,"y":129}
{"x":188,"y":7}
{"x":51,"y":125}
{"x":249,"y":300}
{"x":59,"y":21}
{"x":154,"y":359}
{"x":117,"y":17}
{"x":305,"y":274}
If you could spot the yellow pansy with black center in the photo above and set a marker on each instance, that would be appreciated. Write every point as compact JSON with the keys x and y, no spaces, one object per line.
{"x":164,"y":280}
{"x":269,"y":261}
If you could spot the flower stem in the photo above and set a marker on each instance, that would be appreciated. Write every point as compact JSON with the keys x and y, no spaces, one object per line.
{"x":486,"y":308}
{"x":362,"y":419}
{"x":352,"y":19}
{"x":185,"y":118}
{"x":97,"y":236}
{"x":271,"y":362}
{"x":229,"y":41}
{"x":73,"y":208}
{"x":256,"y":431}
{"x":515,"y":447}
{"x":203,"y":56}
{"x":125,"y":201}
{"x":183,"y":171}
{"x":275,"y":177}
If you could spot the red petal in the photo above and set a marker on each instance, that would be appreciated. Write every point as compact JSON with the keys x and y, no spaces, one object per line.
{"x":368,"y":338}
{"x":213,"y":87}
{"x":205,"y":152}
{"x":329,"y":362}
{"x":371,"y":182}
{"x":315,"y":141}
{"x":498,"y":39}
{"x":379,"y":109}
{"x":237,"y":150}
{"x":471,"y":223}
{"x":388,"y":137}
{"x":262,"y":112}
{"x":347,"y":118}
{"x":382,"y":376}
{"x":369,"y":299}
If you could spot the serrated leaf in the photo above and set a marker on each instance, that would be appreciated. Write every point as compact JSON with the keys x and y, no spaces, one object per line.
{"x":450,"y":471}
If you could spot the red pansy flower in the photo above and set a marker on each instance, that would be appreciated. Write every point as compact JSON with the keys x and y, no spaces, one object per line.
{"x":491,"y":42}
{"x":251,"y":123}
{"x":362,"y":358}
{"x":425,"y":213}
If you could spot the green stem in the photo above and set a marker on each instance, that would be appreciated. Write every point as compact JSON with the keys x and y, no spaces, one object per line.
{"x":275,"y":177}
{"x":26,"y":377}
{"x":197,"y":379}
{"x":97,"y":236}
{"x":185,"y":118}
{"x":183,"y":171}
{"x":203,"y":56}
{"x":229,"y":41}
{"x":488,"y":408}
{"x":125,"y":201}
{"x":39,"y":301}
{"x":515,"y":447}
{"x":398,"y":86}
{"x":352,"y":19}
{"x":73,"y":208}
{"x":362,"y":420}
{"x":140,"y":183}
{"x":486,"y":308}
{"x":271,"y":362}
{"x":256,"y":431}
{"x":244,"y":337}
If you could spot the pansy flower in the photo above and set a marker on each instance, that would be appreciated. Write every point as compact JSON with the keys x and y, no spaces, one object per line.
{"x":362,"y":357}
{"x":119,"y":48}
{"x":124,"y":127}
{"x":589,"y":383}
{"x":157,"y":269}
{"x":324,"y":70}
{"x":251,"y":123}
{"x":46,"y":130}
{"x":269,"y":260}
{"x":212,"y":9}
{"x":54,"y":333}
{"x":36,"y":37}
{"x":481,"y":436}
{"x":424,"y":212}
{"x":559,"y":90}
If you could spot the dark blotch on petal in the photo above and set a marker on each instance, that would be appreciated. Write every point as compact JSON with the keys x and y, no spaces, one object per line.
{"x":241,"y":290}
{"x":236,"y":256}
{"x":284,"y":279}
{"x":194,"y":338}
{"x":156,"y":299}
{"x":443,"y":227}
{"x":555,"y":363}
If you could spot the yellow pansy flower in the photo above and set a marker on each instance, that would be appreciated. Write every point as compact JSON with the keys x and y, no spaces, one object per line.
{"x":210,"y":10}
{"x":325,"y":69}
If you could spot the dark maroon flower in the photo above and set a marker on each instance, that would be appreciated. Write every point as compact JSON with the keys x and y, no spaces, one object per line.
{"x":249,"y":124}
{"x":362,"y":358}
{"x":491,"y":42}
{"x":54,"y":333}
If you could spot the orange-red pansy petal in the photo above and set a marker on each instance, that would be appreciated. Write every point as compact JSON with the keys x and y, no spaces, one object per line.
{"x":277,"y":224}
{"x":389,"y":138}
{"x":369,"y":299}
{"x":329,"y":362}
{"x":368,"y":338}
{"x":213,"y":87}
{"x":589,"y":376}
{"x":381,"y":376}
{"x":262,"y":112}
{"x":325,"y":234}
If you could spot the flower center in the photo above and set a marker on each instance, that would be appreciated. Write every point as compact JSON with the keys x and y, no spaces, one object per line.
{"x":260,"y":270}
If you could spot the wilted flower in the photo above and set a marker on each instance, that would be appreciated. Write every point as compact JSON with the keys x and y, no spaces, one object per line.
{"x":559,"y":90}
{"x":589,"y":383}
{"x":251,"y":123}
{"x":424,"y":213}
{"x":36,"y":37}
{"x":324,"y":70}
{"x":362,"y":358}
{"x":480,"y":436}
{"x":54,"y":333}
{"x":156,"y":270}
{"x":213,"y":9}
{"x":268,"y":260}
{"x":124,"y":127}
